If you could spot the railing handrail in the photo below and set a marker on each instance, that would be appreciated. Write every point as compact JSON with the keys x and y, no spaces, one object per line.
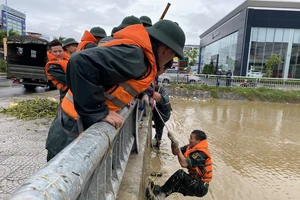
{"x":70,"y":174}
{"x":247,"y":77}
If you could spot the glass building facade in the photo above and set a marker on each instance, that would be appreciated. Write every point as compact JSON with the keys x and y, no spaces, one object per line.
{"x":265,"y":42}
{"x":248,"y":36}
{"x":12,"y":19}
{"x":220,"y":53}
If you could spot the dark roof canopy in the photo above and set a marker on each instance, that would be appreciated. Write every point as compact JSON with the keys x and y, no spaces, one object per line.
{"x":25,"y":39}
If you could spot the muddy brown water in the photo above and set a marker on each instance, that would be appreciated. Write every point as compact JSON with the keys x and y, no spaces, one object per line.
{"x":255,"y":148}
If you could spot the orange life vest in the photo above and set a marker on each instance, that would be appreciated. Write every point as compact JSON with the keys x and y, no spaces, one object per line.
{"x":206,"y":174}
{"x":52,"y":60}
{"x":118,"y":96}
{"x":86,"y":38}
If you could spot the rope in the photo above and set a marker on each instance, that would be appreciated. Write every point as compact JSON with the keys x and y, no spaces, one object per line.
{"x":158,"y":111}
{"x":170,"y":135}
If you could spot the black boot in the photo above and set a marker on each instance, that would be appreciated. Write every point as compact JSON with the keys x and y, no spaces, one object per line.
{"x":156,"y":143}
{"x":149,"y":191}
{"x":148,"y":194}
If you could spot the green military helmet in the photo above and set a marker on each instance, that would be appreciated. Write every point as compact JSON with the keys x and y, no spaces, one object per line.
{"x":130,"y":20}
{"x":69,"y":41}
{"x":170,"y":34}
{"x":98,"y":32}
{"x":114,"y":30}
{"x":146,"y":20}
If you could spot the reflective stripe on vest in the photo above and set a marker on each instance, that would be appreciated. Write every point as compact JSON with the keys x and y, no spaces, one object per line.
{"x":129,"y":89}
{"x":67,"y":105}
{"x":115,"y":100}
{"x":69,"y":97}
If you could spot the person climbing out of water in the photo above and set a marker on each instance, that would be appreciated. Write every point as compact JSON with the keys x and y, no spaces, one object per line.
{"x":197,"y":159}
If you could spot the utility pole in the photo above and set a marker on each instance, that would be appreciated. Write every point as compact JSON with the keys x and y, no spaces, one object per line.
{"x":7,"y":31}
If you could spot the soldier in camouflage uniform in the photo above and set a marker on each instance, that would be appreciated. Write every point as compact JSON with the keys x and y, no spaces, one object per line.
{"x":196,"y":158}
{"x":163,"y":106}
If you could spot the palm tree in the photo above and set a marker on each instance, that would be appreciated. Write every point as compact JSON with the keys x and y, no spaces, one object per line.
{"x":13,"y":32}
{"x":60,"y":38}
{"x":3,"y":34}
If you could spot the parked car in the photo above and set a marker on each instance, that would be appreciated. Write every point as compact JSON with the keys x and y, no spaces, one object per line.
{"x":177,"y":76}
{"x":193,"y":69}
{"x":255,"y":75}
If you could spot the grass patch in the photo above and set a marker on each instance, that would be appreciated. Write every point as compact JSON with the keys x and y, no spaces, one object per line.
{"x":32,"y":109}
{"x":3,"y":66}
{"x":261,"y":93}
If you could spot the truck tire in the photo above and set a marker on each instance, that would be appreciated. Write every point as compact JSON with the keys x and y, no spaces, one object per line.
{"x":30,"y":87}
{"x":192,"y":82}
{"x":165,"y":81}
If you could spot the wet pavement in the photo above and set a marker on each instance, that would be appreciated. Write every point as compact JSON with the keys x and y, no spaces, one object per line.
{"x":22,"y":145}
{"x":10,"y":89}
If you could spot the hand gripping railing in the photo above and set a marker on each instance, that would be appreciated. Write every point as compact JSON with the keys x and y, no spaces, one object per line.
{"x":91,"y":167}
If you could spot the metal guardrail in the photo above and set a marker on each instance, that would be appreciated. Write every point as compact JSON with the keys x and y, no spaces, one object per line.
{"x":251,"y":82}
{"x":91,"y":167}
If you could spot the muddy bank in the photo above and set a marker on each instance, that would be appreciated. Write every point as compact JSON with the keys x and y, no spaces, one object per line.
{"x":231,"y":93}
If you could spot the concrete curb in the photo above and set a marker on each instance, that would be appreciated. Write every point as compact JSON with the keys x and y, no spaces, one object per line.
{"x":203,"y":94}
{"x":134,"y":180}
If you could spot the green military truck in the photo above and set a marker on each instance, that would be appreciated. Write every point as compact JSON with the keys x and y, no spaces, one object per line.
{"x":26,"y":60}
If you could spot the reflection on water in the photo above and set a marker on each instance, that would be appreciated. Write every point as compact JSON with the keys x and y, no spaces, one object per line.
{"x":255,"y":147}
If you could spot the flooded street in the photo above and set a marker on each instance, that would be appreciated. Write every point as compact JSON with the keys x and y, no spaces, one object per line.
{"x":255,"y":148}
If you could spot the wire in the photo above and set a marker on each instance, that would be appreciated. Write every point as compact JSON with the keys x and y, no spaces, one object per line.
{"x":170,"y":135}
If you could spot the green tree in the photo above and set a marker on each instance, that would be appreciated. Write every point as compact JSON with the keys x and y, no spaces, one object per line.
{"x":192,"y":54}
{"x":60,"y":38}
{"x":3,"y":34}
{"x":271,"y":62}
{"x":208,"y":69}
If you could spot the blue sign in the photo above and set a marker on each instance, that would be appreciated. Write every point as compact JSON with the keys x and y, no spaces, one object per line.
{"x":13,"y":22}
{"x":3,"y":20}
{"x":13,"y":11}
{"x":23,"y":25}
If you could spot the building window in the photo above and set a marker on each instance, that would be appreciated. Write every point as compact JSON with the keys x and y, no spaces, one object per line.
{"x":265,"y":42}
{"x":222,"y":53}
{"x":294,"y":68}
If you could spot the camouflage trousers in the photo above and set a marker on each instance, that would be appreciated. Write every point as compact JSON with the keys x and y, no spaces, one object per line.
{"x":165,"y":113}
{"x":183,"y":183}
